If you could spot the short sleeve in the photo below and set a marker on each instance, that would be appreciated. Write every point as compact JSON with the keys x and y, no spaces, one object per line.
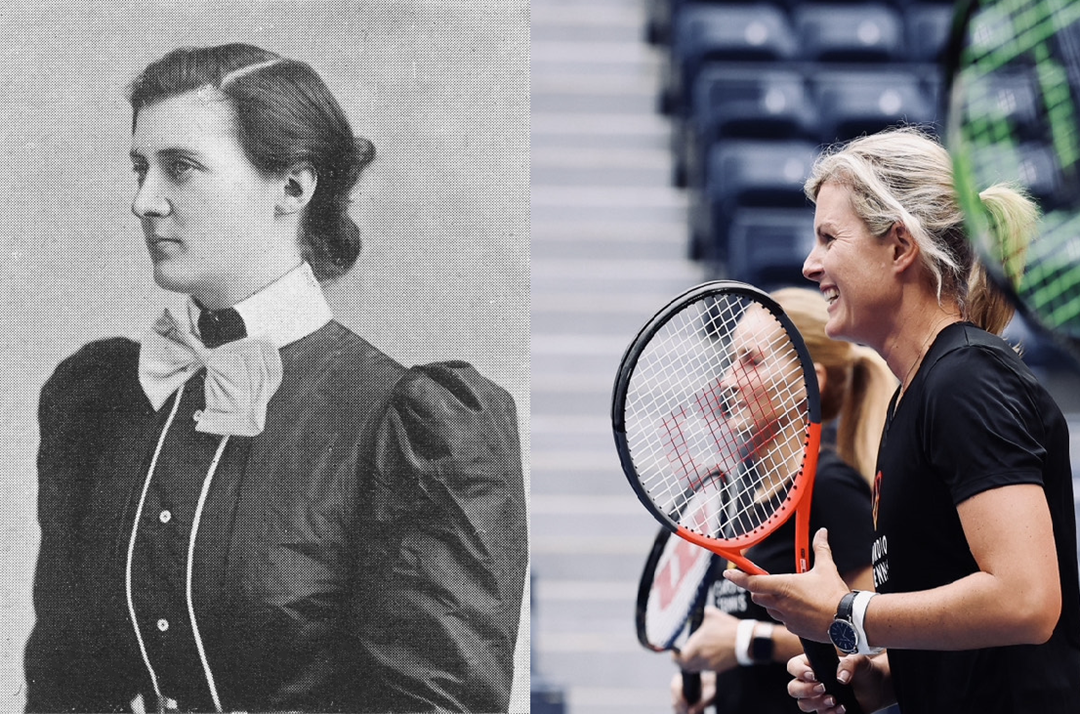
{"x":841,"y":503}
{"x":980,"y":425}
{"x":445,"y":563}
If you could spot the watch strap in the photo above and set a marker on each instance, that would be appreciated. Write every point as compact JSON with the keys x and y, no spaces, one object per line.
{"x":858,"y":609}
{"x":761,"y":646}
{"x":744,"y":631}
{"x":844,"y":609}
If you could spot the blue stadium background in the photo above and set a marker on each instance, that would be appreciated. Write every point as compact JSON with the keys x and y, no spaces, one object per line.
{"x":670,"y":141}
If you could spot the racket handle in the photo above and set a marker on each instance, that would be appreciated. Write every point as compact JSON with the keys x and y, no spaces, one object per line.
{"x":691,"y":687}
{"x":823,"y":660}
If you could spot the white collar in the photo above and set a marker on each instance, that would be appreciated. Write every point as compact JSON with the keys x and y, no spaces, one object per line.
{"x":286,"y":310}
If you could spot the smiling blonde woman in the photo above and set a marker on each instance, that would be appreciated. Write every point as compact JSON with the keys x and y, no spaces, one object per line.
{"x":978,"y":600}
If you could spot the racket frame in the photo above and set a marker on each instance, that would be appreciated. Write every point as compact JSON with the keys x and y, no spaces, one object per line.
{"x":976,"y":222}
{"x":648,"y":577}
{"x":823,"y":658}
{"x":797,"y":501}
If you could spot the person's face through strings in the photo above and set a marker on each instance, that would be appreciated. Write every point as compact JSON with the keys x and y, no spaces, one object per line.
{"x":762,"y":386}
{"x":207,"y":213}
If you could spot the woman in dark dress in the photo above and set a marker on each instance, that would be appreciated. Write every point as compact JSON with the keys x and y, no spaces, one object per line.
{"x":254,"y":508}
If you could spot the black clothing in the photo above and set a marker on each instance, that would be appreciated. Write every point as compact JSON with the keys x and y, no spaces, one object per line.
{"x":365,"y":553}
{"x":973,"y":418}
{"x":841,"y":503}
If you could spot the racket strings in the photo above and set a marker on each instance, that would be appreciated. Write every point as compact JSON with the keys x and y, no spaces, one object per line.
{"x":716,"y":417}
{"x":1017,"y":98}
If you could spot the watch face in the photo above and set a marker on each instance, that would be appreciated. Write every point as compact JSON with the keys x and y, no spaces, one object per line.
{"x":843,"y":635}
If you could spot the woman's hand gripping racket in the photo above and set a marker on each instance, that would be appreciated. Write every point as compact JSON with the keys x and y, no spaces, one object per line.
{"x":671,"y":598}
{"x":1014,"y":115}
{"x":717,"y":422}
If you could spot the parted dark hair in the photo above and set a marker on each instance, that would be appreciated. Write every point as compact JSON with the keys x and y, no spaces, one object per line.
{"x":285,"y":116}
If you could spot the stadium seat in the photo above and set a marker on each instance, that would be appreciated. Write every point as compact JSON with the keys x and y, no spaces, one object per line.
{"x":933,"y":84}
{"x":897,"y":4}
{"x":734,"y":100}
{"x":731,"y":100}
{"x":853,"y":103}
{"x":849,"y":33}
{"x":660,"y":17}
{"x":1009,"y":98}
{"x":767,"y":247}
{"x":748,"y":173}
{"x":928,"y":28}
{"x":705,"y":32}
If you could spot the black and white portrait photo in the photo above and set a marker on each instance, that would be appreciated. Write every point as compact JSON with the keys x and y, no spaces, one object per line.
{"x":265,"y":376}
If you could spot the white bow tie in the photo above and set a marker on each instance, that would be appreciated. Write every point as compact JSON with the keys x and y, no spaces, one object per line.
{"x":241,"y":376}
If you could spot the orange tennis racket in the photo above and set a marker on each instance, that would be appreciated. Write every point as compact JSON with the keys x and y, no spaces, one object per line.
{"x":716,"y":413}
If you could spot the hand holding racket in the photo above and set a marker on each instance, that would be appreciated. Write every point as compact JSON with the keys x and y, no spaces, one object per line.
{"x":717,"y":422}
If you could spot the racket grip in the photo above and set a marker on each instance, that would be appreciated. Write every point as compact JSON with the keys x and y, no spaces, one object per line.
{"x":691,"y":687}
{"x":823,"y":660}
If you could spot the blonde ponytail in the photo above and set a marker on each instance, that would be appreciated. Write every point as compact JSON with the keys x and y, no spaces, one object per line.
{"x":1013,"y":221}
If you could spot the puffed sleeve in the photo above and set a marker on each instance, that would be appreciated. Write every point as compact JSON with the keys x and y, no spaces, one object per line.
{"x":444,"y":562}
{"x":75,"y":403}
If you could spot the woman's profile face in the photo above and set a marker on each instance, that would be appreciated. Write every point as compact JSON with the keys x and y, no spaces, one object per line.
{"x":206,"y":212}
{"x":851,"y":267}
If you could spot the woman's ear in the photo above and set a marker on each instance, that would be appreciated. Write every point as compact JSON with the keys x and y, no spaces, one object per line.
{"x":297,"y":187}
{"x":905,"y":251}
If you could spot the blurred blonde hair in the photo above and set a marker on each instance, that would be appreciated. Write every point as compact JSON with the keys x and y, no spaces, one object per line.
{"x":858,"y":383}
{"x":905,"y":176}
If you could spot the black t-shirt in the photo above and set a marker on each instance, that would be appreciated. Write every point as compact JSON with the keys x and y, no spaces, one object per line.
{"x":841,"y":503}
{"x":974,"y":418}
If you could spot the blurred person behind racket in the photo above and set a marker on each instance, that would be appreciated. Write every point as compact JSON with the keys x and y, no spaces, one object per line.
{"x":739,"y":647}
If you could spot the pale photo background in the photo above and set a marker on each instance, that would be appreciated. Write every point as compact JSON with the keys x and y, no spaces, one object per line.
{"x":440,"y":87}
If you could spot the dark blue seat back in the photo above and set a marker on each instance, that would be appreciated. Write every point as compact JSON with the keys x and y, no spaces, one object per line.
{"x":752,"y":173}
{"x":739,"y":101}
{"x":742,"y":32}
{"x":928,"y":28}
{"x":853,"y":103}
{"x":849,"y":33}
{"x":767,"y":247}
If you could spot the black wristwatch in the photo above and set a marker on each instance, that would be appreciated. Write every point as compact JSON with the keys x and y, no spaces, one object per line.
{"x":762,"y":647}
{"x":842,"y":631}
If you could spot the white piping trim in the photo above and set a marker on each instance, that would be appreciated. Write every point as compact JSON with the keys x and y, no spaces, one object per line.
{"x":191,"y":570}
{"x":131,"y":542}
